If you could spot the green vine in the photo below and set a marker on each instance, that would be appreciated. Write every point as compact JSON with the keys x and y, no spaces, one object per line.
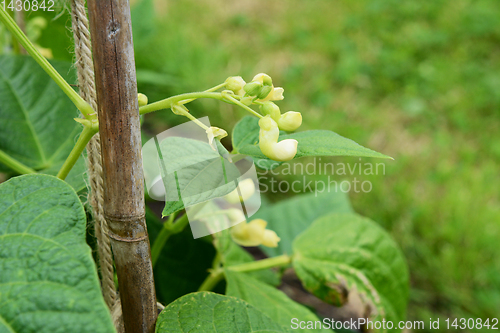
{"x":217,"y":274}
{"x":79,"y":102}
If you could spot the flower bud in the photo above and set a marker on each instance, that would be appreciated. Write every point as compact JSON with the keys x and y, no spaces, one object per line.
{"x":45,"y":52}
{"x":264,"y":79}
{"x":269,"y":108}
{"x":215,"y":132}
{"x":143,"y":99}
{"x":179,"y":110}
{"x":270,"y":238}
{"x":254,"y":234}
{"x":253,"y":88}
{"x":37,"y":22}
{"x":247,"y":189}
{"x":268,"y":142}
{"x":264,"y":92}
{"x":235,"y":84}
{"x":34,"y":28}
{"x":269,"y":125}
{"x":235,"y":215}
{"x":275,"y":95}
{"x":290,"y":121}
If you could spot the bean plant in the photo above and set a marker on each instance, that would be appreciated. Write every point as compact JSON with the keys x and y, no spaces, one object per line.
{"x":49,"y":280}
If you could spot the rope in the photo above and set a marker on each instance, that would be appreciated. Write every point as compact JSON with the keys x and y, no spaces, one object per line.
{"x":85,"y":73}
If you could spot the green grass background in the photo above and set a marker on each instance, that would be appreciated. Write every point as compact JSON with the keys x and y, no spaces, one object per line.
{"x":416,"y":80}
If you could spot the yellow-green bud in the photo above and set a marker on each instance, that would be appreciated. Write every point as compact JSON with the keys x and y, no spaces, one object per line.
{"x":254,"y":234}
{"x":269,"y":108}
{"x":264,"y":79}
{"x":253,"y":88}
{"x":143,"y":99}
{"x":38,"y":22}
{"x":46,"y":52}
{"x":265,"y":91}
{"x":235,"y":84}
{"x":290,"y":121}
{"x":179,"y":110}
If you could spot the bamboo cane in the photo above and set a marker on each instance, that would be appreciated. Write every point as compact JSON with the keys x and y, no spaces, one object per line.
{"x":119,"y":128}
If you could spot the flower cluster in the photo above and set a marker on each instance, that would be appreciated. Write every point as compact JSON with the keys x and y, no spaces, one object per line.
{"x":261,"y":87}
{"x":261,"y":91}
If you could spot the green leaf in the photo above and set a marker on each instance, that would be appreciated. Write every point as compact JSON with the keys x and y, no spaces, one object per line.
{"x":269,"y":300}
{"x":232,"y":254}
{"x":183,"y":263}
{"x":48,"y":281}
{"x":207,"y":312}
{"x":37,"y":126}
{"x":311,"y":143}
{"x":346,"y":252}
{"x":328,"y":143}
{"x":290,"y":217}
{"x":245,"y":132}
{"x":172,"y":207}
{"x":77,"y":175}
{"x":202,"y":174}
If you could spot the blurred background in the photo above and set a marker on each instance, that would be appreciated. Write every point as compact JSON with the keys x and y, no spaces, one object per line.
{"x":416,"y":80}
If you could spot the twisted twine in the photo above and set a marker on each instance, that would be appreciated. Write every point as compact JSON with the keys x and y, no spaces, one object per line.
{"x":86,"y":84}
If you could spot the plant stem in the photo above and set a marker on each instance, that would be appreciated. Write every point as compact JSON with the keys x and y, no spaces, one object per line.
{"x":168,"y":102}
{"x":278,"y":261}
{"x":217,"y":87}
{"x":79,"y":102}
{"x":179,"y":225}
{"x":15,"y":164}
{"x":185,"y":113}
{"x":218,"y":273}
{"x":249,"y":109}
{"x":211,"y":281}
{"x":87,"y":134}
{"x":185,"y":98}
{"x":169,"y":228}
{"x":160,"y":240}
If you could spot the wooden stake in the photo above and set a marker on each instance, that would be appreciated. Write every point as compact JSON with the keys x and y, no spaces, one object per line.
{"x":119,"y":128}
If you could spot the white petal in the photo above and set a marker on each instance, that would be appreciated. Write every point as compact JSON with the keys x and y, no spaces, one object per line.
{"x":278,"y":94}
{"x":285,"y":150}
